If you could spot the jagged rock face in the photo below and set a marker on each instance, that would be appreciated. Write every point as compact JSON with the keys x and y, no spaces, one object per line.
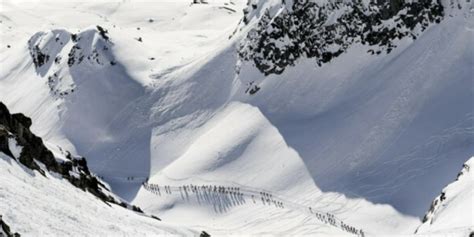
{"x":325,"y":31}
{"x":18,"y":125}
{"x":34,"y":153}
{"x":57,"y":53}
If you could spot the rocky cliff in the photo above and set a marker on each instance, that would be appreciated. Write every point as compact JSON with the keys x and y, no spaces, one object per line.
{"x":323,"y":31}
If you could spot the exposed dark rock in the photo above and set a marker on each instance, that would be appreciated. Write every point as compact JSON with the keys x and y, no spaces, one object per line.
{"x":74,"y":38}
{"x":33,"y":148}
{"x":137,"y":209}
{"x":254,"y":89}
{"x":307,"y":30}
{"x":53,"y":82}
{"x":33,"y":152}
{"x":75,"y":56}
{"x":103,"y":32}
{"x":43,"y":48}
{"x":204,"y":234}
{"x":39,"y":58}
{"x":440,"y":200}
{"x":6,"y":229}
{"x":57,"y":60}
{"x":200,"y":2}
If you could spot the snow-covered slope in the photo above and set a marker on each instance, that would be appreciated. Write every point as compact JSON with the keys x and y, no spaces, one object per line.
{"x":452,"y":211}
{"x":81,"y":101}
{"x":366,"y":130}
{"x":35,"y":205}
{"x":57,"y":196}
{"x":370,"y":135}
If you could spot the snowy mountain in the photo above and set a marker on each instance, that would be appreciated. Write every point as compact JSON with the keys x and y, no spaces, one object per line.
{"x":264,"y":117}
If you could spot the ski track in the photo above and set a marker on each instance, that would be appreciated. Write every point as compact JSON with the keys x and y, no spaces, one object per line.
{"x":244,"y":195}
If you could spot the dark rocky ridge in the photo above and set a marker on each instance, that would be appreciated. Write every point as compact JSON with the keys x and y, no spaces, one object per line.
{"x":76,"y":55}
{"x":34,"y":152}
{"x":5,"y":230}
{"x":302,"y":30}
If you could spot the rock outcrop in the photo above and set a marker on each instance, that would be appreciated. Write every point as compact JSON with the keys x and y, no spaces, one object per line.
{"x":18,"y":142}
{"x":323,"y":31}
{"x":5,"y":230}
{"x":56,"y":53}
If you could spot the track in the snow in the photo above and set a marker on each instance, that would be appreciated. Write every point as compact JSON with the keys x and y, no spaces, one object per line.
{"x":224,"y":197}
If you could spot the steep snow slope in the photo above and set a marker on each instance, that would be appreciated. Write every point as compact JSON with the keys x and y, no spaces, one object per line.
{"x":68,"y":74}
{"x":452,"y":211}
{"x":367,"y":129}
{"x":35,"y":205}
{"x":383,"y":128}
{"x":90,"y":94}
{"x":390,"y":128}
{"x":57,"y":196}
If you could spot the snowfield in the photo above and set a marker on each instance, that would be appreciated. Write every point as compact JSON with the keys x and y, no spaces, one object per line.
{"x":154,"y":91}
{"x":34,"y":205}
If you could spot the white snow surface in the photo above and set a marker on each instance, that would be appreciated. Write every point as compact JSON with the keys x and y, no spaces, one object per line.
{"x":14,"y":147}
{"x":371,"y":139}
{"x":454,"y":216}
{"x":34,"y":205}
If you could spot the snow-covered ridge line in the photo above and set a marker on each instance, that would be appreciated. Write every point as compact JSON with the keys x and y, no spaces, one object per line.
{"x":454,"y":205}
{"x":54,"y":53}
{"x":323,"y":31}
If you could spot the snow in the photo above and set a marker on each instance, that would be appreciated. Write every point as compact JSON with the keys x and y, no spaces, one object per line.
{"x":454,"y":215}
{"x":34,"y":205}
{"x":385,"y":116}
{"x":15,"y":149}
{"x":111,"y":90}
{"x":371,"y":139}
